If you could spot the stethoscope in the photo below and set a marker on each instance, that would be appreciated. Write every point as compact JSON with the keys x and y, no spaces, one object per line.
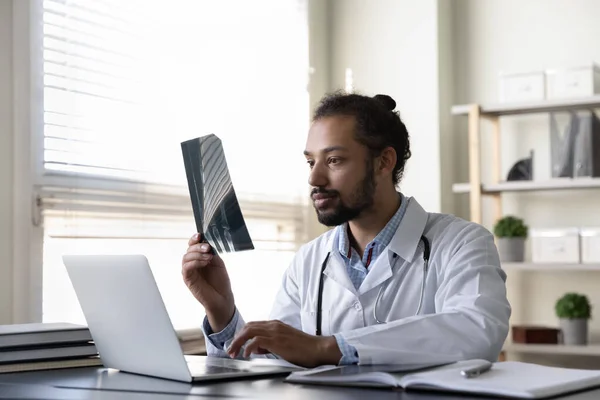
{"x":426,"y":253}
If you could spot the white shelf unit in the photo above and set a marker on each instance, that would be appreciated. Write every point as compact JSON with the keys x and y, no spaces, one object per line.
{"x":476,"y":189}
{"x":492,"y":113}
{"x":555,"y":267}
{"x":531,"y":186}
{"x":497,"y":110}
{"x":554,"y":349}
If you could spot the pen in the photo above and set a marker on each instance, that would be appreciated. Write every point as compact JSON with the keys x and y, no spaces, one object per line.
{"x":476,"y":370}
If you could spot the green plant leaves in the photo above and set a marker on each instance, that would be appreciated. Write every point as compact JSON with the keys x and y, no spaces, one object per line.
{"x":573,"y":305}
{"x":510,"y":226}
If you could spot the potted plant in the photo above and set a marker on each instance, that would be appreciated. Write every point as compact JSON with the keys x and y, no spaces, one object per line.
{"x":574,"y":311}
{"x":511,"y":233}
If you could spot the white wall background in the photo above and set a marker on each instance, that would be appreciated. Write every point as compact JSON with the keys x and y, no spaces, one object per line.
{"x":492,"y":36}
{"x":391,"y":46}
{"x":6,"y":161}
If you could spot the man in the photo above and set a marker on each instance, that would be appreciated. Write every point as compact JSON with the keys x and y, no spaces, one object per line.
{"x":390,"y":284}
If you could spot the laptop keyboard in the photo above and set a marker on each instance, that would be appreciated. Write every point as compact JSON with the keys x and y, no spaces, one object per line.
{"x":204,"y":366}
{"x":202,"y":369}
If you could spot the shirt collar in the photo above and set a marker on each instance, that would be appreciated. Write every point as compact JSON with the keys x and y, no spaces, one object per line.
{"x":382,"y":239}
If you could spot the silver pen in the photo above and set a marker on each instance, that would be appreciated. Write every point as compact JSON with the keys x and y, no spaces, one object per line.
{"x":476,"y":370}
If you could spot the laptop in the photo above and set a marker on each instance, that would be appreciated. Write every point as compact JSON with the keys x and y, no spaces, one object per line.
{"x":131,"y":328}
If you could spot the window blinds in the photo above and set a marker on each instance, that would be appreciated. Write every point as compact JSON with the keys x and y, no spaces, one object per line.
{"x":126,"y":81}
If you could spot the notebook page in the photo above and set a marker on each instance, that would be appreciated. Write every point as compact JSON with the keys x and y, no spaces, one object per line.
{"x":509,"y":378}
{"x":360,"y":375}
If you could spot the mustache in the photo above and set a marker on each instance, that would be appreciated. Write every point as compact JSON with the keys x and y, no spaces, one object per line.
{"x":323,"y":191}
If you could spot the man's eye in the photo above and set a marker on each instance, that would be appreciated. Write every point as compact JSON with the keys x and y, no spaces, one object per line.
{"x":310,"y":163}
{"x":334,"y":160}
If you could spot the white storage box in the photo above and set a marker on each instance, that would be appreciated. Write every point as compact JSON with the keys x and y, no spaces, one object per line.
{"x":590,"y":245}
{"x":522,"y":87}
{"x":555,"y":245}
{"x":574,"y":82}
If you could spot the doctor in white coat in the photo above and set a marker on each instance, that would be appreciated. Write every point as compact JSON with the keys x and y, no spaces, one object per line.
{"x":390,"y":283}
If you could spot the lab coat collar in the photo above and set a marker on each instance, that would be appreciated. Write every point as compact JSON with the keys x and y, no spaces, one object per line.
{"x":406,"y":239}
{"x":379,"y":271}
{"x":336,"y":271}
{"x":404,"y":243}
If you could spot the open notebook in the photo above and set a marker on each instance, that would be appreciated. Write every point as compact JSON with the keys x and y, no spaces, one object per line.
{"x":504,"y":379}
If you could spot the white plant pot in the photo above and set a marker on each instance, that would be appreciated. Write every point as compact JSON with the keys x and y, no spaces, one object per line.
{"x":511,"y":249}
{"x":574,"y":331}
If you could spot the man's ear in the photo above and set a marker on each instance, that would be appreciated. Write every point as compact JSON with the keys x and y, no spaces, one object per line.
{"x":387,"y":161}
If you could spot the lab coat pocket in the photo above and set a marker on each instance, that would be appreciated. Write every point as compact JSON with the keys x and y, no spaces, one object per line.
{"x":309,"y":321}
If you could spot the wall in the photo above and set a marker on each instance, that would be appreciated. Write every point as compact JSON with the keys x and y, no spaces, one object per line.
{"x":391,"y":46}
{"x":6,"y":161}
{"x":449,"y":155}
{"x":319,"y":47}
{"x":511,"y":36}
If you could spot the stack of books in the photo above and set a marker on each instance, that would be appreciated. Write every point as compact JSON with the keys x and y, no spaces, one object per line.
{"x":27,"y":347}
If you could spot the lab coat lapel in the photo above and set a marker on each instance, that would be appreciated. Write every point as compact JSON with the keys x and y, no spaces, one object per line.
{"x":336,"y":271}
{"x":404,"y":243}
{"x":380,"y":271}
{"x":406,"y":239}
{"x":336,"y":268}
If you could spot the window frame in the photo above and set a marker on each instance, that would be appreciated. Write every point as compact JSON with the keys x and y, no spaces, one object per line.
{"x":30,"y":177}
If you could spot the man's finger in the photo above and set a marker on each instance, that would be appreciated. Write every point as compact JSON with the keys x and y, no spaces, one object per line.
{"x":200,"y":248}
{"x":197,"y":257}
{"x":190,"y":266}
{"x":245,"y":334}
{"x":258,"y":345}
{"x":194,"y":239}
{"x":194,"y":264}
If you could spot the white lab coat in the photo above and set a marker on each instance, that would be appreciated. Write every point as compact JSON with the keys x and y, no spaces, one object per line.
{"x":465,"y":311}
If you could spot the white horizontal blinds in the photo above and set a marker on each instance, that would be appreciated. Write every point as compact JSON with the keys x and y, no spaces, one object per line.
{"x":81,"y":213}
{"x":126,"y":81}
{"x":95,"y":89}
{"x":163,"y":241}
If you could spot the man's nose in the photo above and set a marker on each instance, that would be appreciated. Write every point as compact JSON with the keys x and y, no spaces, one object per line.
{"x":317,"y":176}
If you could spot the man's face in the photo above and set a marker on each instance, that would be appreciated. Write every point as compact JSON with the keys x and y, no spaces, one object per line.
{"x":342,"y":172}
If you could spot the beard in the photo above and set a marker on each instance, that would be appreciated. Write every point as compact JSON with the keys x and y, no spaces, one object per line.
{"x":360,"y":200}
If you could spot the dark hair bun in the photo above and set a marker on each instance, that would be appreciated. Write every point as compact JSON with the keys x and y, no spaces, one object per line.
{"x":386,"y":100}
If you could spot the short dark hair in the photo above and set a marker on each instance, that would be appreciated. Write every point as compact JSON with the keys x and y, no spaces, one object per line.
{"x":377,"y":124}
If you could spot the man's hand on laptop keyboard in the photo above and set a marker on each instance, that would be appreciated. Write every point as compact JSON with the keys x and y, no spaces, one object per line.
{"x":288,"y":343}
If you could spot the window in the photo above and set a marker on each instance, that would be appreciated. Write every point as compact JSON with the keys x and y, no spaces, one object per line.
{"x":123,"y":84}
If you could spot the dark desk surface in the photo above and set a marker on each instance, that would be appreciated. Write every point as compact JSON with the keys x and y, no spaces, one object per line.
{"x":105,"y":384}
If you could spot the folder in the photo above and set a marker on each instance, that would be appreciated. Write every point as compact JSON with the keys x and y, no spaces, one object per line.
{"x":51,"y":364}
{"x":54,"y":352}
{"x":510,"y":379}
{"x":38,"y":334}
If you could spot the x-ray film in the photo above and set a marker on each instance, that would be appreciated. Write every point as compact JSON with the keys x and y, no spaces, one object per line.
{"x":216,"y":209}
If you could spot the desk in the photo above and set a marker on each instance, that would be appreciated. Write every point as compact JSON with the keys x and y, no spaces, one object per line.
{"x":105,"y":384}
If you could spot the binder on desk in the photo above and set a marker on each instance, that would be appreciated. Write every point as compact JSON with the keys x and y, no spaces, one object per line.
{"x":510,"y":379}
{"x":36,"y":346}
{"x":38,"y":353}
{"x":51,"y":365}
{"x":22,"y":335}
